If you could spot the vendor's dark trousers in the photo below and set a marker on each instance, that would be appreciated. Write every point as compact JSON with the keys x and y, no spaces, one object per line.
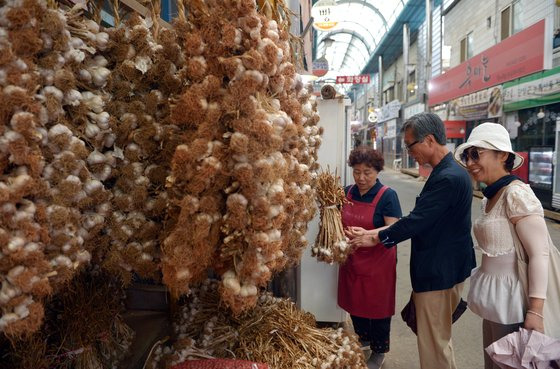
{"x":375,"y":331}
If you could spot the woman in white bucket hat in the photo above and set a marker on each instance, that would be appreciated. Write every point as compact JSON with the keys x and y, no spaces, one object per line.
{"x":518,"y":281}
{"x":490,"y":136}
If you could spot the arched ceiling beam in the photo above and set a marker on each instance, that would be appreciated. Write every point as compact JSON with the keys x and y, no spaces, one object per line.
{"x":348,"y":54}
{"x":351,"y":33}
{"x":351,"y":58}
{"x":368,"y":5}
{"x":360,"y":51}
{"x":364,"y":28}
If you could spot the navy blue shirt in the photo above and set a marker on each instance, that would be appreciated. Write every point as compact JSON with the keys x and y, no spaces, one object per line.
{"x":387,"y":206}
{"x":439,"y":227}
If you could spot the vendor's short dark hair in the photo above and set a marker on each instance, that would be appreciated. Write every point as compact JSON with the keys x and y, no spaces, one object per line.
{"x":509,"y":162}
{"x":368,"y":156}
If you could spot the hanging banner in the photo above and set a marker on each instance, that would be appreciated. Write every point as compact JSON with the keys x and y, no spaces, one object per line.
{"x":324,"y":15}
{"x":535,"y":90}
{"x":389,"y":111}
{"x":524,"y":53}
{"x":411,"y":110}
{"x":483,"y":104}
{"x":361,"y":79}
{"x":390,"y":129}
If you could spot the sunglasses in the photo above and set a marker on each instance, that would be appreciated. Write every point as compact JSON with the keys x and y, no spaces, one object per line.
{"x":473,"y":154}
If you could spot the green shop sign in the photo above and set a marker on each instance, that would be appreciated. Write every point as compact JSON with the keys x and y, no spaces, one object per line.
{"x":537,"y":89}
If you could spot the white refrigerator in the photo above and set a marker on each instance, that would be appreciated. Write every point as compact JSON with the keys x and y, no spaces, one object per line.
{"x":317,"y":281}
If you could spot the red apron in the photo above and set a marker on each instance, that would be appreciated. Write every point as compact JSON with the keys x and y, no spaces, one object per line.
{"x":367,"y":280}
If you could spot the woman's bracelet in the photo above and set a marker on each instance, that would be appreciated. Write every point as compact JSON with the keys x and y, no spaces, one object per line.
{"x":535,"y":313}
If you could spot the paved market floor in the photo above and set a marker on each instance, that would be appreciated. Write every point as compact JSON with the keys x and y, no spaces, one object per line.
{"x":467,"y":331}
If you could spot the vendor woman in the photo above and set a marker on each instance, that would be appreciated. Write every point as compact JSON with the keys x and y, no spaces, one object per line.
{"x":367,"y":280}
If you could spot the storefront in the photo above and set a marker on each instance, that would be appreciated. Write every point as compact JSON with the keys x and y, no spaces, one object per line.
{"x":532,"y":106}
{"x":482,"y":88}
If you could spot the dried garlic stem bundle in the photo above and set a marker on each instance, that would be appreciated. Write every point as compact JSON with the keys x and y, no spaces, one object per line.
{"x":275,"y":332}
{"x":84,"y":329}
{"x":330,"y":244}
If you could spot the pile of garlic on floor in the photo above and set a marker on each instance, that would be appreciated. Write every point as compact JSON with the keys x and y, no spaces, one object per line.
{"x":274,"y":332}
{"x":149,"y":151}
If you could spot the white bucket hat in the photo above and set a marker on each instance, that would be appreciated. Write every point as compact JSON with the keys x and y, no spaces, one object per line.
{"x":491,"y":136}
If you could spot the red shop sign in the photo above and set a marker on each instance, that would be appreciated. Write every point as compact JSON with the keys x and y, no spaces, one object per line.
{"x":526,"y":52}
{"x":361,"y":79}
{"x":455,"y":128}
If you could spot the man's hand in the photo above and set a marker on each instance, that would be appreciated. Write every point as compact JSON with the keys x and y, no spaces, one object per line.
{"x":367,"y":239}
{"x":352,"y":232}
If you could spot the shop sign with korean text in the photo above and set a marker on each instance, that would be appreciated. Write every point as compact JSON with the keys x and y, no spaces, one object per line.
{"x":524,"y":53}
{"x":390,"y":129}
{"x":411,"y":110}
{"x":389,"y":111}
{"x":320,"y":67}
{"x":535,"y":90}
{"x":440,"y":110}
{"x":487,"y":103}
{"x":360,"y":79}
{"x":455,"y":129}
{"x":325,"y":17}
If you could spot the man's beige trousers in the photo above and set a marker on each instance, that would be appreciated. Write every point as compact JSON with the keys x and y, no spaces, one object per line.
{"x":433,"y":316}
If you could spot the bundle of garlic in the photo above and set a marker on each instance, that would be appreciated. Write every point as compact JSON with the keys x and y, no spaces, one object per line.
{"x":242,"y":181}
{"x":330,"y":244}
{"x":307,"y":155}
{"x":275,"y":332}
{"x":65,"y":341}
{"x":76,"y":122}
{"x":50,"y":198}
{"x":144,"y":77}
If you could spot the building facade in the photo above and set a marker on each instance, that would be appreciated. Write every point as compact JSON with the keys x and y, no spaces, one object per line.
{"x":501,"y":69}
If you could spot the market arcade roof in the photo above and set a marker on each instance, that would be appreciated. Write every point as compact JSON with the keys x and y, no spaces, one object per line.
{"x":367,"y":29}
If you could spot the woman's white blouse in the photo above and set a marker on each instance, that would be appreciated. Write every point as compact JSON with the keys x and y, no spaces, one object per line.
{"x":495,"y":293}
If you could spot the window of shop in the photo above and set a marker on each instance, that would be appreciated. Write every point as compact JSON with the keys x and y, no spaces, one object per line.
{"x":511,"y":20}
{"x":534,"y":130}
{"x":412,"y":86}
{"x":399,"y":91}
{"x":389,"y":95}
{"x":467,"y":47}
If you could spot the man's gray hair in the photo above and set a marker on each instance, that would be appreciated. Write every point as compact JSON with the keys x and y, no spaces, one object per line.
{"x":424,"y":124}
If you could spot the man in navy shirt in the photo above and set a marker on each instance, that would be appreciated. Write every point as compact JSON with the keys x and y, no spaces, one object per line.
{"x":439,"y":227}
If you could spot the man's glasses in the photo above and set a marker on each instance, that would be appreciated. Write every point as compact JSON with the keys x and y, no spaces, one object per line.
{"x":409,"y":147}
{"x":473,"y":154}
